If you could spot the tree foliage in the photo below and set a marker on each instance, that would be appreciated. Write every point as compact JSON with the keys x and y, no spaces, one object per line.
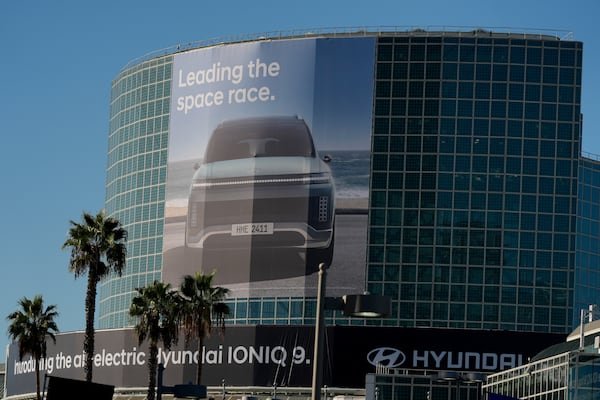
{"x":204,"y":308}
{"x":157,"y":309}
{"x":98,"y":248}
{"x":160,"y":312}
{"x":30,"y":326}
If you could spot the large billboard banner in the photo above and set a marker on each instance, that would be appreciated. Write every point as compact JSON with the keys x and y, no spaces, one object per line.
{"x":281,"y":356}
{"x":268,"y":165}
{"x":246,"y":356}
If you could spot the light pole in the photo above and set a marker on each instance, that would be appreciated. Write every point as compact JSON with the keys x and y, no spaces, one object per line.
{"x":361,"y":305}
{"x":317,"y":375}
{"x":583,"y":313}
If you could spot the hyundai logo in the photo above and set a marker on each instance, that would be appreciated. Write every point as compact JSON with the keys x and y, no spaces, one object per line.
{"x":387,"y":357}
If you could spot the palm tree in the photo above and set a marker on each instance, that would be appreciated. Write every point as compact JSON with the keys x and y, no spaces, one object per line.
{"x":203,"y":305}
{"x":97,"y":249}
{"x":29,"y":327}
{"x":157,"y":308}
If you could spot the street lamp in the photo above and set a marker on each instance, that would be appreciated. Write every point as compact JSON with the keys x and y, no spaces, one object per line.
{"x":583,"y":314}
{"x":356,"y":305}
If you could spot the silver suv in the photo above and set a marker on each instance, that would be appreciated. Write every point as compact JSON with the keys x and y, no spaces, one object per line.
{"x":261,"y":184}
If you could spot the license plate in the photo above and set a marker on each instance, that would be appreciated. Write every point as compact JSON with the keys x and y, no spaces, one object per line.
{"x":263,"y":228}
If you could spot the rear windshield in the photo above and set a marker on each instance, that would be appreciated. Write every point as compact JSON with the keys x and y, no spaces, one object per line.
{"x":269,"y":138}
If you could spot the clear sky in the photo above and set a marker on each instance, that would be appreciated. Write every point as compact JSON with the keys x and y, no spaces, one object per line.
{"x":57,"y":61}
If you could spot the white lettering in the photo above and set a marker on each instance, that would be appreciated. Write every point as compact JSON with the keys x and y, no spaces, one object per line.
{"x":240,"y":355}
{"x":108,"y":359}
{"x":424,"y":359}
{"x":438,"y":358}
{"x":299,"y":355}
{"x":489,"y":361}
{"x":508,"y":361}
{"x":465,"y":360}
{"x":200,"y":100}
{"x":477,"y":359}
{"x":50,"y":365}
{"x":256,"y":356}
{"x":456,"y":364}
{"x":214,"y":356}
{"x":250,"y":95}
{"x":216,"y":73}
{"x":140,"y":357}
{"x":258,"y":69}
{"x":78,"y":361}
{"x":279,"y":355}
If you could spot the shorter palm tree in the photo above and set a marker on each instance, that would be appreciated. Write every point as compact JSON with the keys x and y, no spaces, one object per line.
{"x":203,"y":305}
{"x":157,"y":308}
{"x":29,"y":327}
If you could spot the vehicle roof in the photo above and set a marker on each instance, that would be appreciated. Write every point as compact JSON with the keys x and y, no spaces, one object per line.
{"x":271,"y":120}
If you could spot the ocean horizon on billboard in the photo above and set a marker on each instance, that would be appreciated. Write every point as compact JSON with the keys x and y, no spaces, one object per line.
{"x":268,"y":165}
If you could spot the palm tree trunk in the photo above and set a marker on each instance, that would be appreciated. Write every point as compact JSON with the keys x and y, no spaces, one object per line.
{"x":199,"y":368}
{"x":90,"y":310}
{"x":152,"y":366}
{"x":37,"y":378}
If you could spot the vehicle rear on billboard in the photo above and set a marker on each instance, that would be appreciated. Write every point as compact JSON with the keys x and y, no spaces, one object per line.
{"x":268,"y":164}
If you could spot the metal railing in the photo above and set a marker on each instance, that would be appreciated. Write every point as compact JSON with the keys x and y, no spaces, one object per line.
{"x":591,"y":156}
{"x":431,"y":30}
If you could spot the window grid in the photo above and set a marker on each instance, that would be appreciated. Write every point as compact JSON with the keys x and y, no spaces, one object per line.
{"x":495,"y":160}
{"x":136,"y":174}
{"x":588,"y":222}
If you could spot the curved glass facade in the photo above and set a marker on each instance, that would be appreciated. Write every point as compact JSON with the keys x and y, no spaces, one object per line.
{"x":473,"y":184}
{"x":135,"y":180}
{"x":474,"y":181}
{"x":587,"y":278}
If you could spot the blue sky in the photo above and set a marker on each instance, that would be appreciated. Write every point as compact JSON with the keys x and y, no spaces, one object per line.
{"x":59,"y":57}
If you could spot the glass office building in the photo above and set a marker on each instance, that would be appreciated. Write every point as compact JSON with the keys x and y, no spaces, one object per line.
{"x":476,"y":182}
{"x":136,"y":177}
{"x":564,"y":371}
{"x":587,"y":259}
